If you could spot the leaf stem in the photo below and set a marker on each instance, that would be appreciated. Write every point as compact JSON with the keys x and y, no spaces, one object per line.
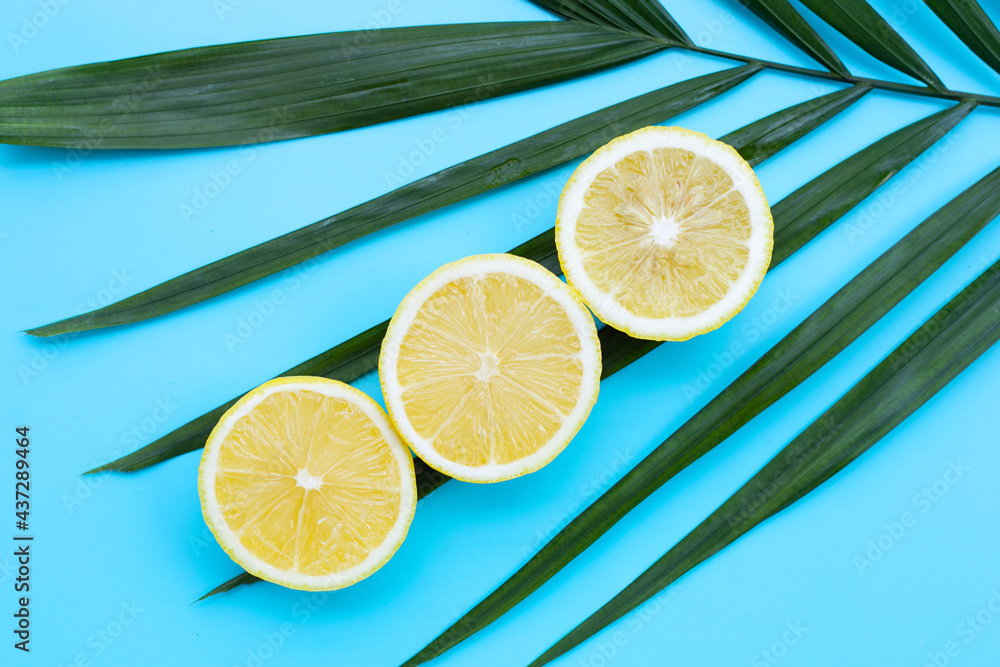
{"x":909,"y":89}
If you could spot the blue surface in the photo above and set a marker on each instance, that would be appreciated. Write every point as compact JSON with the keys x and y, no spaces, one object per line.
{"x":134,"y":549}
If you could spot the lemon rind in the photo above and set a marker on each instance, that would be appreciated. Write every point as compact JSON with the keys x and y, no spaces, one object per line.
{"x":603,"y":305}
{"x":253,"y":564}
{"x":590,"y":356}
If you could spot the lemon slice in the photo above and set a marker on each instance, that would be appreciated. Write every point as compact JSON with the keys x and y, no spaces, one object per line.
{"x":305,"y":484}
{"x":489,"y":367}
{"x":665,"y":232}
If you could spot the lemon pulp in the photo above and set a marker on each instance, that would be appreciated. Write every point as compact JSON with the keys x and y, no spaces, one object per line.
{"x":664,"y":231}
{"x":493,"y":373}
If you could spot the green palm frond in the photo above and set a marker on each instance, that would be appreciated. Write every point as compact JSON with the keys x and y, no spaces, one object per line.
{"x":359,"y":355}
{"x":971,"y":24}
{"x":505,"y":165}
{"x":617,"y":20}
{"x":840,"y":189}
{"x":916,"y":370}
{"x":861,"y":24}
{"x":640,"y":17}
{"x":811,"y":208}
{"x":830,"y":329}
{"x":780,"y":15}
{"x":299,"y":86}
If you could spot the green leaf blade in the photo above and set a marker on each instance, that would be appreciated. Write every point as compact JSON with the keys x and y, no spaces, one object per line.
{"x":970,"y":24}
{"x":292,"y":87}
{"x":239,"y":580}
{"x":763,"y":138}
{"x":638,"y":17}
{"x":914,"y":372}
{"x":785,"y":19}
{"x":833,"y":326}
{"x":861,"y":24}
{"x":472,"y":177}
{"x":826,"y":198}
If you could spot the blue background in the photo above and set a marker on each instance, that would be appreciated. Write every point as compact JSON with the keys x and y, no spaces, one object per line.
{"x":138,"y":541}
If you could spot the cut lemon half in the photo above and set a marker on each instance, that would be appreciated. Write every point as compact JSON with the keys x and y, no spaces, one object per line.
{"x":489,"y":367}
{"x":665,"y":232}
{"x":305,"y":484}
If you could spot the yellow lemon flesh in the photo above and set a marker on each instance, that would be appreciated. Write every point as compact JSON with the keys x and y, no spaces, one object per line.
{"x":489,"y":367}
{"x":665,"y":232}
{"x":305,"y":484}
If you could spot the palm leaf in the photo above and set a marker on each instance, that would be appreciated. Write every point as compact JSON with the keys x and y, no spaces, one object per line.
{"x":800,"y":216}
{"x":865,"y":27}
{"x":830,"y":329}
{"x":971,"y":24}
{"x":763,"y":138}
{"x":359,"y":355}
{"x":757,"y":141}
{"x":828,"y":197}
{"x":299,"y":86}
{"x":936,"y":353}
{"x":780,"y":15}
{"x":241,"y":579}
{"x":472,"y":177}
{"x":639,"y":17}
